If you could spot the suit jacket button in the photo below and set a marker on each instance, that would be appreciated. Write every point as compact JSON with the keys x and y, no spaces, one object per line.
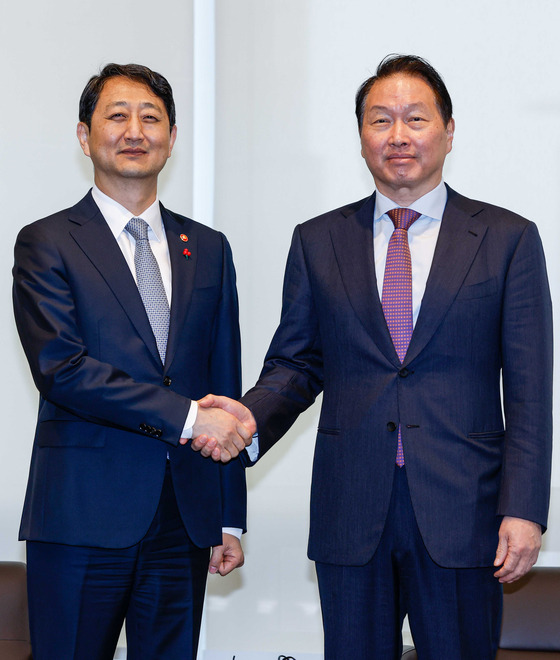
{"x":143,"y":426}
{"x":167,"y":381}
{"x":391,"y":426}
{"x":404,"y":372}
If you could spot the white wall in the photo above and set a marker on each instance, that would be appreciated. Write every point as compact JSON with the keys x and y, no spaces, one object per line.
{"x":286,"y":149}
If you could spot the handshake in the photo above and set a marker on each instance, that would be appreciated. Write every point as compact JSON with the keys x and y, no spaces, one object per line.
{"x":223,"y":428}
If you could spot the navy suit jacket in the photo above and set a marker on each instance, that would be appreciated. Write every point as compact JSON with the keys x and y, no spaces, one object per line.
{"x":486,"y":313}
{"x":109,"y":410}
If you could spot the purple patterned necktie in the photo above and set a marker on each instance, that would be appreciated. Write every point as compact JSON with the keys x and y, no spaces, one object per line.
{"x":396,"y":298}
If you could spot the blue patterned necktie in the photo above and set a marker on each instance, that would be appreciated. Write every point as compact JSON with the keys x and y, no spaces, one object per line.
{"x":396,"y":298}
{"x":150,"y":284}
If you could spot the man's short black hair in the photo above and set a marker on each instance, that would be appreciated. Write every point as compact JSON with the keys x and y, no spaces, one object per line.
{"x":136,"y":72}
{"x":410,"y":65}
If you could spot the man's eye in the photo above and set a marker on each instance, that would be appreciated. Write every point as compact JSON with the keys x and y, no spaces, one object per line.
{"x":116,"y":115}
{"x":416,"y":119}
{"x":150,"y":118}
{"x":381,"y":120}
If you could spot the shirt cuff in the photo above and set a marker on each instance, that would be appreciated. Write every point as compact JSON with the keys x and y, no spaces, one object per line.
{"x":253,"y":448}
{"x":234,"y":531}
{"x":189,"y":422}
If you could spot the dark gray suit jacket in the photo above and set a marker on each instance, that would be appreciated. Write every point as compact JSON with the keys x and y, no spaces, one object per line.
{"x":110,"y":411}
{"x":486,"y":314}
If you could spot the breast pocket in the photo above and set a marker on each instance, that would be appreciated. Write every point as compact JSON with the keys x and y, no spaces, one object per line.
{"x":478,"y":290}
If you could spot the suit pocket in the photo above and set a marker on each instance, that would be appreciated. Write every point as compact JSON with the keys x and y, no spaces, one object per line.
{"x":62,"y":433}
{"x":204,"y":300}
{"x":487,"y":435}
{"x":326,"y":431}
{"x":478,"y":290}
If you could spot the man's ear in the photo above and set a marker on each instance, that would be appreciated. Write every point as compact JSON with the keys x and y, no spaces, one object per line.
{"x":82,"y":131}
{"x":172,"y":140}
{"x":450,"y":130}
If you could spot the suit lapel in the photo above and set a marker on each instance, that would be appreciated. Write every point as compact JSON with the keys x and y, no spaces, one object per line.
{"x":95,"y":239}
{"x":352,"y":241}
{"x":458,"y":242}
{"x":182,"y":274}
{"x":459,"y":239}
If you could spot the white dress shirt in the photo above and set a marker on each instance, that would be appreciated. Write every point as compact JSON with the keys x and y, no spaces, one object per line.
{"x":117,"y":217}
{"x":422,"y":239}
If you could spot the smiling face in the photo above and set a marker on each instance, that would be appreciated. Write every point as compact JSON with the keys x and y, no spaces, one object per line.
{"x":130,"y":138}
{"x":404,"y":140}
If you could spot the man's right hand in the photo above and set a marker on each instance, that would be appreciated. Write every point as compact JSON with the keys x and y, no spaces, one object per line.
{"x":217,"y":432}
{"x":223,"y":428}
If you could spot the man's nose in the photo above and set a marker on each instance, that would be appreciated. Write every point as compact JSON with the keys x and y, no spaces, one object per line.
{"x":399,"y":133}
{"x":133,"y":128}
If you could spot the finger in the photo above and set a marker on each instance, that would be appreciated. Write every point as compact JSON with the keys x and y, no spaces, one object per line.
{"x":227,"y":566}
{"x":251,"y":424}
{"x":216,"y":559}
{"x":209,"y":447}
{"x":207,"y":401}
{"x":245,"y":435}
{"x":197,"y":443}
{"x":508,"y":571}
{"x":510,"y":577}
{"x":246,"y":417}
{"x":522,"y":566}
{"x":501,"y":551}
{"x":231,"y":406}
{"x":231,"y":560}
{"x":222,"y":455}
{"x":234,"y":444}
{"x":239,"y":440}
{"x":243,"y":414}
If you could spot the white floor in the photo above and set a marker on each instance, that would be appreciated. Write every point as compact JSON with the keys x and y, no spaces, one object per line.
{"x":246,"y":655}
{"x":257,"y":655}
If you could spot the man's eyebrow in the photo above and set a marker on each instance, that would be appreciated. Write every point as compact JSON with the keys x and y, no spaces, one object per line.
{"x":146,"y":104}
{"x":385,"y":108}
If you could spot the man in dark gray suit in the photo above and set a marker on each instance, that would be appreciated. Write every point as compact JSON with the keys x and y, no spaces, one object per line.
{"x":424,"y":499}
{"x":119,"y":516}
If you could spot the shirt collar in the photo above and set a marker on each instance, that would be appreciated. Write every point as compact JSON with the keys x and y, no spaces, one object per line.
{"x":117,"y":216}
{"x":431,"y":204}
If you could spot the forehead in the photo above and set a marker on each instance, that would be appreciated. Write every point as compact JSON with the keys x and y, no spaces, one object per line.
{"x":123,"y":91}
{"x":400,"y":90}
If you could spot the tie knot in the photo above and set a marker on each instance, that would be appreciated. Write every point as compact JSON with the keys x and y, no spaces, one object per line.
{"x":137,"y":228}
{"x":403,"y":218}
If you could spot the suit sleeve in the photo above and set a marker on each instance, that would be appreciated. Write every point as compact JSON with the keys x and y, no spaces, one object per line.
{"x":527,"y":383}
{"x":65,"y":374}
{"x":225,"y":379}
{"x":292,"y":375}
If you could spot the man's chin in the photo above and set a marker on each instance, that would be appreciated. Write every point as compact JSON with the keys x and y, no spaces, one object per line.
{"x":137,"y":173}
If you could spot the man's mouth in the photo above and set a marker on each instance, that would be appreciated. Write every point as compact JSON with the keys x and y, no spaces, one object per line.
{"x":133,"y":152}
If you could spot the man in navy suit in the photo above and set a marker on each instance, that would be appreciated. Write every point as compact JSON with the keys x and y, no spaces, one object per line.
{"x":435,"y":535}
{"x":119,"y":515}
